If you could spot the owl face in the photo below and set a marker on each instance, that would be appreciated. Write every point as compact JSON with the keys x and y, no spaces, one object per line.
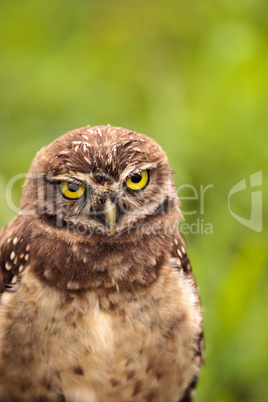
{"x":104,"y":180}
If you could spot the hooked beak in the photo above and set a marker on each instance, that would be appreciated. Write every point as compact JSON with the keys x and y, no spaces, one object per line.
{"x":110,"y":214}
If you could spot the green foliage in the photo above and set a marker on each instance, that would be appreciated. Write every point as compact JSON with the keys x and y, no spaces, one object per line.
{"x":192,"y":75}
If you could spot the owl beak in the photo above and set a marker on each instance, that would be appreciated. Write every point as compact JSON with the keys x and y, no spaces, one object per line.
{"x":110,"y":214}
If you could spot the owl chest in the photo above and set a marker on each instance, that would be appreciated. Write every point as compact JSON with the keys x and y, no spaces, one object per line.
{"x":90,"y":354}
{"x":102,"y":355}
{"x":124,"y":355}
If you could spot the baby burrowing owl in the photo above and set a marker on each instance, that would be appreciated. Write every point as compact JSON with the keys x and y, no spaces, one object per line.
{"x":99,"y":302}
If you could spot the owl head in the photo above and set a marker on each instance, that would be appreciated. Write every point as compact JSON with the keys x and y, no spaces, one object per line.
{"x":101,"y":180}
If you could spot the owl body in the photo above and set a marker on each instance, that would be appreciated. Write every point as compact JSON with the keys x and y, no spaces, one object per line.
{"x":99,"y":302}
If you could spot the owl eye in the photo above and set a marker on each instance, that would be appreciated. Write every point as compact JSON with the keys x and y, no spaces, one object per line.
{"x":138,"y":181}
{"x":71,"y":191}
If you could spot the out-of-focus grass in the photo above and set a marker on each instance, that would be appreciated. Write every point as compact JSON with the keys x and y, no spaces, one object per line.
{"x":191,"y":74}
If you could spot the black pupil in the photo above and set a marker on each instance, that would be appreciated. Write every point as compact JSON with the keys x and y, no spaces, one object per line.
{"x":73,"y":187}
{"x":136,"y":178}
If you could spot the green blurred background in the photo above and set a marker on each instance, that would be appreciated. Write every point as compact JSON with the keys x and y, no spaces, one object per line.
{"x":191,"y":74}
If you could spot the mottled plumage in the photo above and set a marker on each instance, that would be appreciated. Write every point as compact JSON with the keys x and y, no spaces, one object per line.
{"x":99,"y":302}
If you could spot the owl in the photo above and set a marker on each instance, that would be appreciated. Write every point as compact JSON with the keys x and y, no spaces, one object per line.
{"x":98,"y":299}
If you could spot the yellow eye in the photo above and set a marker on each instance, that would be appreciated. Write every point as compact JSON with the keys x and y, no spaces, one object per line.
{"x":71,"y":191}
{"x":138,"y":181}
